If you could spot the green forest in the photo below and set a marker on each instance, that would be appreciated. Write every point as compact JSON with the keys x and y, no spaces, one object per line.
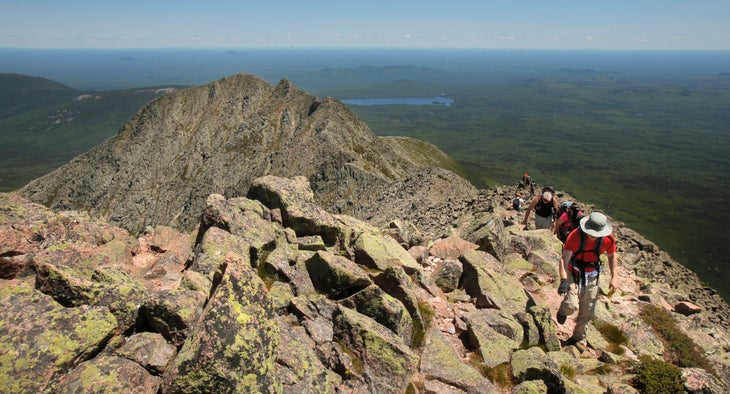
{"x":653,"y":155}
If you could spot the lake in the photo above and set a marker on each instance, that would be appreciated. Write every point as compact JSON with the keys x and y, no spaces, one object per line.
{"x":440,"y":100}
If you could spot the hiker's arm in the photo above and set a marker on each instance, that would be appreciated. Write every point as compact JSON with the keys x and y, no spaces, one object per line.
{"x":563,"y":269}
{"x":529,"y":209}
{"x":613,"y":266}
{"x":558,"y":223}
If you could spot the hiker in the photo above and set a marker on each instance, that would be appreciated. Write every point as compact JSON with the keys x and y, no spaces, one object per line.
{"x":568,"y":219}
{"x":526,"y":180}
{"x":517,"y":202}
{"x":580,"y":268}
{"x":545,"y":206}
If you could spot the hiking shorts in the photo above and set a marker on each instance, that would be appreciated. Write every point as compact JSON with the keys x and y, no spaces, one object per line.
{"x":543,"y":222}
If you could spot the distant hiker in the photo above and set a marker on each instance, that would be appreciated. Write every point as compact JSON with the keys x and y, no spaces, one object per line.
{"x":526,"y":180}
{"x":517,"y":202}
{"x":545,"y":207}
{"x":568,"y":219}
{"x":580,"y":267}
{"x":532,"y":188}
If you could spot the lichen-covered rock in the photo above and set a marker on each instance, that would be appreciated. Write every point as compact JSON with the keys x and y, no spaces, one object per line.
{"x":382,"y":356}
{"x":530,"y":387}
{"x":532,"y":333}
{"x":73,"y":275}
{"x":295,"y":199}
{"x":440,"y":362}
{"x":373,"y":302}
{"x":493,"y":336}
{"x":489,"y":233}
{"x":174,"y":313}
{"x":233,"y":346}
{"x":298,"y":368}
{"x":249,"y":220}
{"x":216,"y":243}
{"x":379,"y":252}
{"x":399,"y":285}
{"x":335,"y":275}
{"x":150,"y":350}
{"x":533,"y":364}
{"x":108,"y":374}
{"x":40,"y":338}
{"x":545,"y":325}
{"x":697,"y":380}
{"x":491,"y":289}
{"x":448,"y":274}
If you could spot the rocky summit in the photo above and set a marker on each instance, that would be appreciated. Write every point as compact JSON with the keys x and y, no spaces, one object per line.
{"x":371,"y":271}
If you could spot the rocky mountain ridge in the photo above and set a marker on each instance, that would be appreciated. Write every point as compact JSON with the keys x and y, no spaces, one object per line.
{"x":217,"y":138}
{"x":243,"y":237}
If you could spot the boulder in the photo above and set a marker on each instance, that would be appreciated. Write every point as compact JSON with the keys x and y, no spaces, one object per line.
{"x":41,"y":338}
{"x":108,"y":374}
{"x":381,"y":355}
{"x":534,"y":364}
{"x":373,"y":302}
{"x":233,"y":345}
{"x":439,"y":362}
{"x":335,"y":275}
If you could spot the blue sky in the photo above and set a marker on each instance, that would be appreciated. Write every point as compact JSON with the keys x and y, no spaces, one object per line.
{"x":586,"y":24}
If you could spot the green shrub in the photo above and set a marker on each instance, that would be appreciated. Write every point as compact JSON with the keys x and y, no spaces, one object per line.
{"x":568,"y":371}
{"x":613,"y":335}
{"x":680,"y":349}
{"x":501,"y":375}
{"x":658,"y":377}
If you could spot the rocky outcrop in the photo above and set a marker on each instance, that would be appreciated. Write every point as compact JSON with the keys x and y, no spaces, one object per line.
{"x":216,"y":139}
{"x":273,"y":293}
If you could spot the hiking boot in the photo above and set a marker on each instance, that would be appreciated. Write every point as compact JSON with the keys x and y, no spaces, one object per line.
{"x":561,"y":318}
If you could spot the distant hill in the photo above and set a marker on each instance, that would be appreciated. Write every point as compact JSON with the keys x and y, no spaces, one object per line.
{"x":43,"y":123}
{"x":21,"y":93}
{"x":217,"y":138}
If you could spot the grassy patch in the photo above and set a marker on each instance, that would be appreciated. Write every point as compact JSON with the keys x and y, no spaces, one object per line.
{"x":658,"y":377}
{"x":614,"y":335}
{"x":501,"y":375}
{"x":680,"y":349}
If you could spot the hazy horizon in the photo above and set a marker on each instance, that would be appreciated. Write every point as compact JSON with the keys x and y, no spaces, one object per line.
{"x":572,"y":24}
{"x":107,"y":69}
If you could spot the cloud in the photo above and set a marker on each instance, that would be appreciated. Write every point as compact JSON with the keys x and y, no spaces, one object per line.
{"x":590,"y":37}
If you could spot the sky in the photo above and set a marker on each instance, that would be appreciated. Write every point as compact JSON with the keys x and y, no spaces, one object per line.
{"x":521,"y":24}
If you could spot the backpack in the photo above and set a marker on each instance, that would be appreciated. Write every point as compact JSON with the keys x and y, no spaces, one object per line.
{"x":582,"y":265}
{"x":517,"y":203}
{"x":574,"y":216}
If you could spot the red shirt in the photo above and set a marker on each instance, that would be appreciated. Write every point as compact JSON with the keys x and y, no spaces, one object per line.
{"x":572,"y":243}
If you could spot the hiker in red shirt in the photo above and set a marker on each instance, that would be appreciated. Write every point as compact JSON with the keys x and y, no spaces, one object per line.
{"x":580,"y":268}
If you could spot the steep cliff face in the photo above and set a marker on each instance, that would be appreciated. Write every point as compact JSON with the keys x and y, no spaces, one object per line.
{"x":217,"y":138}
